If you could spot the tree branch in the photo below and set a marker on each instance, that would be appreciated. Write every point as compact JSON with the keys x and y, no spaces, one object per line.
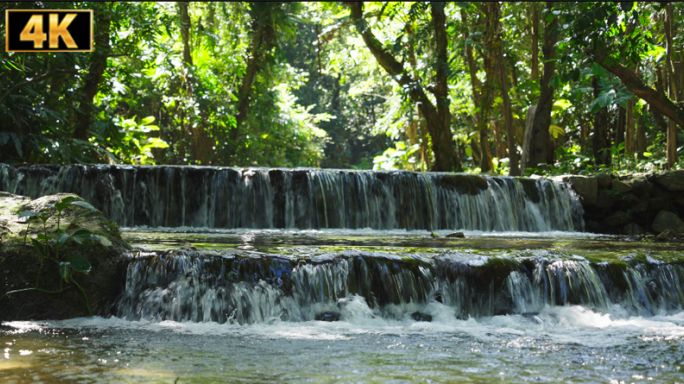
{"x":657,"y":100}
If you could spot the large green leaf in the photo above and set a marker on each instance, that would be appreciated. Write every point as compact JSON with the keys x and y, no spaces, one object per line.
{"x":79,"y":263}
{"x":84,"y":204}
{"x":62,"y":204}
{"x":64,"y":270}
{"x":81,"y":235}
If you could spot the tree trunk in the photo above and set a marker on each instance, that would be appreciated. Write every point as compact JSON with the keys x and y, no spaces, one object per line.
{"x":507,"y":112}
{"x":630,"y":143}
{"x":263,"y":40}
{"x":601,"y":142}
{"x":185,"y":26}
{"x":534,"y":34}
{"x":540,"y":149}
{"x":527,"y":139}
{"x":619,"y":133}
{"x":641,"y":137}
{"x":490,"y":53}
{"x":671,"y":88}
{"x":480,"y":143}
{"x":96,"y":69}
{"x":446,"y":158}
{"x":441,"y":91}
{"x":658,"y":100}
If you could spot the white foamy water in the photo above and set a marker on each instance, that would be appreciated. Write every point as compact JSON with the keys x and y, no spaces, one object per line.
{"x":559,"y":344}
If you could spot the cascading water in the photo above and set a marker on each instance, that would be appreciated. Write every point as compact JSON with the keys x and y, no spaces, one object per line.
{"x":189,"y":285}
{"x":213,"y":197}
{"x":403,"y":306}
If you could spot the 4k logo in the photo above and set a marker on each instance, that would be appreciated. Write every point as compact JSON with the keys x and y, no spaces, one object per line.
{"x":49,"y":30}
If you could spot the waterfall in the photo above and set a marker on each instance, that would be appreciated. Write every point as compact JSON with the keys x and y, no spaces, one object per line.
{"x":220,"y":197}
{"x":248,"y":287}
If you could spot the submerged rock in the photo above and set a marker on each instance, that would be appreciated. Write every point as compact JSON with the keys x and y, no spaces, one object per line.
{"x":456,"y":234}
{"x":420,"y":316}
{"x":328,"y":316}
{"x":20,"y":263}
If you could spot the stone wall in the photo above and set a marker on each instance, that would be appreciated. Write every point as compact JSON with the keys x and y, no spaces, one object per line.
{"x":633,"y":204}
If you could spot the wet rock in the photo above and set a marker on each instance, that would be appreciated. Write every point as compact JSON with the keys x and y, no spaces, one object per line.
{"x":604,"y":180}
{"x":420,"y":316}
{"x":328,"y":316}
{"x":621,"y":187}
{"x":672,"y":181}
{"x":586,"y":188}
{"x":633,"y":229}
{"x":666,"y":220}
{"x":456,"y":234}
{"x":107,"y":255}
{"x":666,"y":235}
{"x":617,"y":219}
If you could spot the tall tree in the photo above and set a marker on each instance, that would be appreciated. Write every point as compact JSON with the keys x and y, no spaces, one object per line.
{"x":507,"y":112}
{"x":96,"y":69}
{"x":539,"y":148}
{"x":446,"y":158}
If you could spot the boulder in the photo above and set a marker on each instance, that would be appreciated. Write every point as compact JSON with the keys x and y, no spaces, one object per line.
{"x":673,"y":181}
{"x":640,"y":185}
{"x":604,"y":180}
{"x":420,"y":316}
{"x":604,"y":199}
{"x":21,"y":264}
{"x":666,"y":235}
{"x":586,"y":188}
{"x":617,"y":219}
{"x":328,"y":316}
{"x":632,"y":229}
{"x":456,"y":234}
{"x":621,"y":187}
{"x":666,"y":220}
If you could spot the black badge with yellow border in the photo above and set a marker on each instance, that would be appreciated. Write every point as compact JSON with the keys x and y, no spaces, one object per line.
{"x":49,"y":30}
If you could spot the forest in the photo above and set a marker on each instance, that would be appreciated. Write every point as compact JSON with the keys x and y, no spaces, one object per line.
{"x":481,"y":87}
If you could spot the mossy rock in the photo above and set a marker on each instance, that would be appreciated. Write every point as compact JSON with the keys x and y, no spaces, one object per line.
{"x":20,"y":263}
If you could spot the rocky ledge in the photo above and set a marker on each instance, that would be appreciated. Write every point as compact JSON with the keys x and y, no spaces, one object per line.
{"x":636,"y":204}
{"x":20,"y":263}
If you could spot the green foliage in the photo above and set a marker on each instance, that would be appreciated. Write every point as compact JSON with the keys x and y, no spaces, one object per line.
{"x":49,"y":244}
{"x":319,"y":98}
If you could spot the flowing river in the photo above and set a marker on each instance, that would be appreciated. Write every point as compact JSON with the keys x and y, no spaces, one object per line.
{"x":247,"y":275}
{"x":437,"y":331}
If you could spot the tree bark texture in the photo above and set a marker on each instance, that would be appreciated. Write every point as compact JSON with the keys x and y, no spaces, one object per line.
{"x":641,"y":137}
{"x":630,"y":142}
{"x":263,"y":41}
{"x":96,"y":69}
{"x":446,"y":158}
{"x":534,"y":34}
{"x":507,"y":112}
{"x":658,"y":100}
{"x":600,"y":142}
{"x":490,"y":53}
{"x":541,"y":149}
